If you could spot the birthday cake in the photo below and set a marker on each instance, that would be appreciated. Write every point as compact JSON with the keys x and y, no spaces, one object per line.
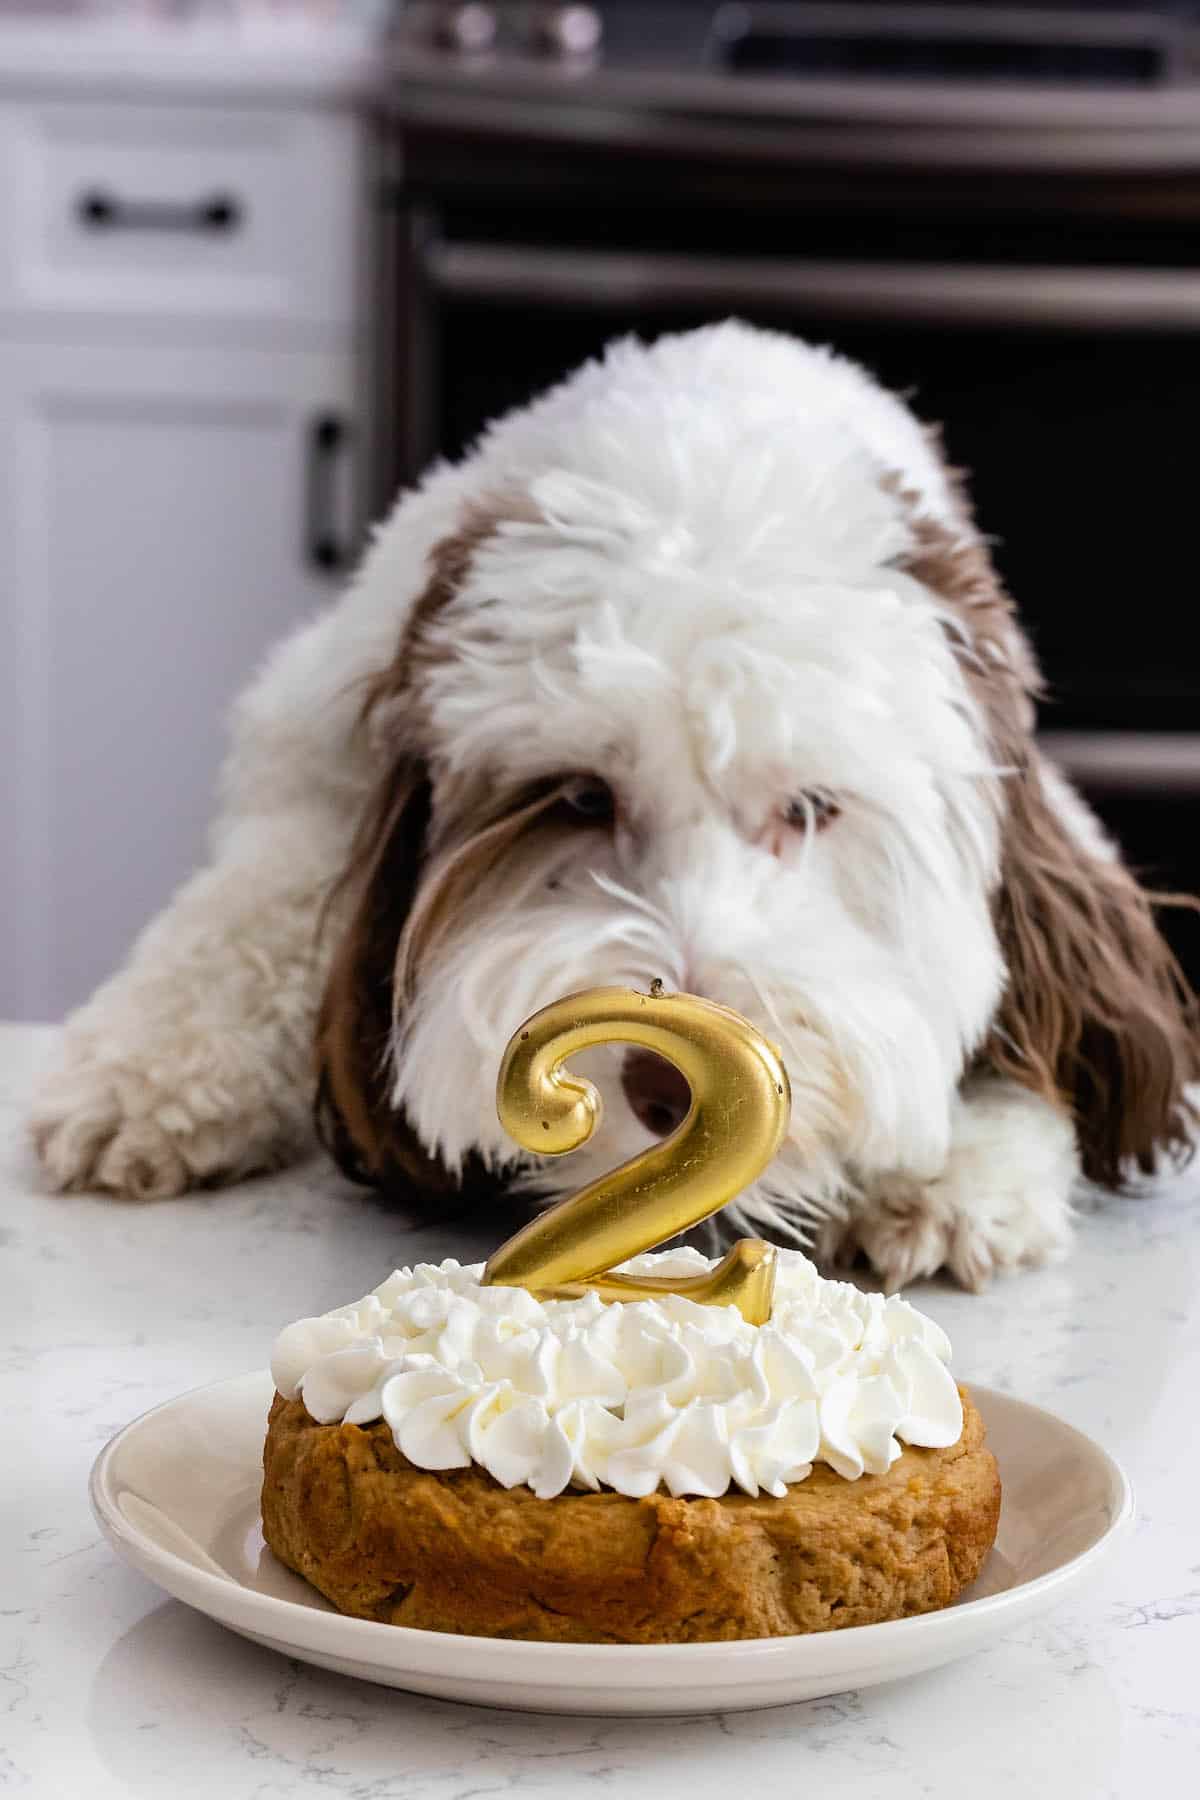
{"x":471,"y":1458}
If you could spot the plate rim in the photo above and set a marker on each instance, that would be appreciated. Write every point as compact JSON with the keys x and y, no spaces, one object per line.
{"x":141,"y":1550}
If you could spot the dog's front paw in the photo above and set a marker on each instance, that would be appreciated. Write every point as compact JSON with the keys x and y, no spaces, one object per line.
{"x":94,"y":1126}
{"x":906,"y":1233}
{"x":904,"y":1230}
{"x":1001,"y":1203}
{"x":1005,"y":1193}
{"x":909,"y":1231}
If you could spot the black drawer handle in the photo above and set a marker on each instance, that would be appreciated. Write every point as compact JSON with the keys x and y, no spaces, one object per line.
{"x":217,"y":214}
{"x":324,"y":548}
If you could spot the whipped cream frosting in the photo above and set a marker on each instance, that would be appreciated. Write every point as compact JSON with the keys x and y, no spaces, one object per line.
{"x":633,"y":1395}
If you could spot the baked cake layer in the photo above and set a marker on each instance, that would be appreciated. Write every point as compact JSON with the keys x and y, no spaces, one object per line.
{"x":454,"y":1551}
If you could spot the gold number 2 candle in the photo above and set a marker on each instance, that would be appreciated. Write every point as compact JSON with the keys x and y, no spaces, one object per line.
{"x":739,"y":1112}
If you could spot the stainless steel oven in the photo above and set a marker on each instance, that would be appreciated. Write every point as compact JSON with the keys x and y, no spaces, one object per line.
{"x":1019,"y":252}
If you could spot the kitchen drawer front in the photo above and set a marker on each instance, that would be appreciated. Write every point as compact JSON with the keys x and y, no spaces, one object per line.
{"x":157,"y":215}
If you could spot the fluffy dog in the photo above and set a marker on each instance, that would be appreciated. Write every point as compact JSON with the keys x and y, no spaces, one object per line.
{"x":696,"y":668}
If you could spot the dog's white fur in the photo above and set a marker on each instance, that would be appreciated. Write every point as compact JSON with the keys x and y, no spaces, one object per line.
{"x":708,"y":609}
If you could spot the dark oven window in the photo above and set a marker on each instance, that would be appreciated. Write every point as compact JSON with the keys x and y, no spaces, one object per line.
{"x":1076,"y":451}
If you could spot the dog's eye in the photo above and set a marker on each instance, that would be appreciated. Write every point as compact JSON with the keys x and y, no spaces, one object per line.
{"x":590,"y":800}
{"x":812,"y":811}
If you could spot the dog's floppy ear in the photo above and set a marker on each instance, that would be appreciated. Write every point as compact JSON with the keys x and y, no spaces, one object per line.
{"x":1097,"y":1011}
{"x":399,"y":891}
{"x":1097,"y":1015}
{"x":366,"y":1137}
{"x":368,"y":1140}
{"x":408,"y":889}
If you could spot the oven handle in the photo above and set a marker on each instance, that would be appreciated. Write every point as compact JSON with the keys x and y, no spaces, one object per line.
{"x":1013,"y":298}
{"x":1165,"y":762}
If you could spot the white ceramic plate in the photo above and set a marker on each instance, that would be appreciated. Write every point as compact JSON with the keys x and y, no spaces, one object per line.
{"x":176,"y":1494}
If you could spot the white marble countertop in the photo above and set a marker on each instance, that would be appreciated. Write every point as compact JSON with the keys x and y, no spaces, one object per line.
{"x":108,"y":1688}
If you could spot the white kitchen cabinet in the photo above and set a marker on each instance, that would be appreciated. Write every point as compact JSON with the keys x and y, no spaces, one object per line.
{"x":164,"y":518}
{"x":236,"y":221}
{"x":182,"y":435}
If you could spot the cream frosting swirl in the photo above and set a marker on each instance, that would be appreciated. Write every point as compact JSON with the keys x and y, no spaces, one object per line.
{"x":634,"y":1395}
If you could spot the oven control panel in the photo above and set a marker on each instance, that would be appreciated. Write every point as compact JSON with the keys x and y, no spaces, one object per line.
{"x":561,"y":29}
{"x":1144,"y":43}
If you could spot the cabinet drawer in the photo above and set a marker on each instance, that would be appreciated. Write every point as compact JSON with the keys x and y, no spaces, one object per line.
{"x":191,"y":213}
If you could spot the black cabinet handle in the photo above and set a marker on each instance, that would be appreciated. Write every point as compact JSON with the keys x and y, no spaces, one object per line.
{"x":213,"y":216}
{"x":324,"y":549}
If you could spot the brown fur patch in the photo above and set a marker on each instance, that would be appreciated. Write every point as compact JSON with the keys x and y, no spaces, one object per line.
{"x":460,"y":871}
{"x":390,"y":879}
{"x":1097,"y":1015}
{"x":353,"y":1117}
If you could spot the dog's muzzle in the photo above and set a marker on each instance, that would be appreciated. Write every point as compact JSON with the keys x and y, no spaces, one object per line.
{"x":657,"y":1093}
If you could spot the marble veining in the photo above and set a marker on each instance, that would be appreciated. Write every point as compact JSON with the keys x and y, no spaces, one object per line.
{"x":107,"y":1688}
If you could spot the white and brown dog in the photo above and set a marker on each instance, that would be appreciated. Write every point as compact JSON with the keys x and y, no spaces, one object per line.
{"x":696,"y":669}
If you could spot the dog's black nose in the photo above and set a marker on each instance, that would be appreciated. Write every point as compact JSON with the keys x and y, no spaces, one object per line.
{"x":657,"y":1092}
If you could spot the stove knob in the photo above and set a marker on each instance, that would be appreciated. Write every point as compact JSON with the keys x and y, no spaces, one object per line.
{"x":465,"y":26}
{"x":568,"y":31}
